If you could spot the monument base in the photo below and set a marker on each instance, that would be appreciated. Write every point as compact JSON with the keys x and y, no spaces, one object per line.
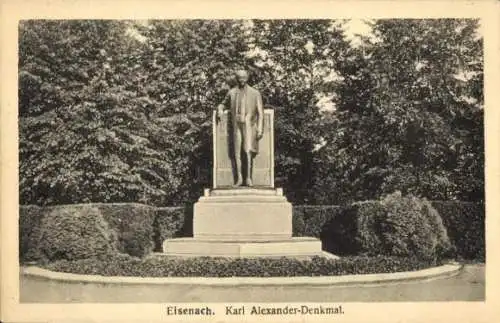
{"x":242,"y":214}
{"x":243,"y":222}
{"x":299,"y":247}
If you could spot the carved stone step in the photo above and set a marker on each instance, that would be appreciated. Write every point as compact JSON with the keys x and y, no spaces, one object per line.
{"x":192,"y":247}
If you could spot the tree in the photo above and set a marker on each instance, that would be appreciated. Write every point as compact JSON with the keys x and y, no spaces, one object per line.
{"x":120,"y":111}
{"x":69,"y":79}
{"x":294,"y":63}
{"x":186,"y":65}
{"x":117,"y":111}
{"x":410,"y":112}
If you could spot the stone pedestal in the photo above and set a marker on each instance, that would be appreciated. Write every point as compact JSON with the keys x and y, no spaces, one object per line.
{"x":243,"y":222}
{"x":294,"y":247}
{"x":243,"y":215}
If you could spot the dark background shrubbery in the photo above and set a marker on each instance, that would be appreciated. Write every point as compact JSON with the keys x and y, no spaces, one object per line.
{"x":120,"y":111}
{"x":465,"y":224}
{"x":30,"y":219}
{"x":171,"y":222}
{"x":353,"y":230}
{"x":314,"y":221}
{"x":343,"y":230}
{"x":133,"y":224}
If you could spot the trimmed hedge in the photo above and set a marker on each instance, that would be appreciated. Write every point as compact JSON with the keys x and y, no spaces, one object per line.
{"x":140,"y":228}
{"x":30,"y":219}
{"x":412,"y":227}
{"x":354,"y":230}
{"x":239,"y":267}
{"x":315,"y":221}
{"x":309,"y":221}
{"x":74,"y":233}
{"x":131,"y":225}
{"x":170,"y":222}
{"x":403,"y":226}
{"x":465,"y":223}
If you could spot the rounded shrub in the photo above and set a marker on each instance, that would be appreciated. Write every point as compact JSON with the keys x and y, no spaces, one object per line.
{"x":411,"y":227}
{"x":73,"y":233}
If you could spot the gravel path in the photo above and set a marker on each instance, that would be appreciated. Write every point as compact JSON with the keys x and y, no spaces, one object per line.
{"x":469,"y":285}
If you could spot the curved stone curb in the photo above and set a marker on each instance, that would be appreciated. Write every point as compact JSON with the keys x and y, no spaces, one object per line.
{"x":344,"y":280}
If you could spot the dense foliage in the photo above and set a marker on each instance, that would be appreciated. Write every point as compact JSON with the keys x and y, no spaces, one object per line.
{"x":402,"y":226}
{"x":295,"y":60}
{"x":74,"y":231}
{"x":239,"y":267}
{"x":412,"y":227}
{"x":115,"y":119}
{"x":172,"y":222}
{"x":139,"y":229}
{"x":30,"y":221}
{"x":465,"y":224}
{"x":74,"y":234}
{"x":316,"y":221}
{"x":119,"y":111}
{"x":409,"y":114}
{"x":133,"y":225}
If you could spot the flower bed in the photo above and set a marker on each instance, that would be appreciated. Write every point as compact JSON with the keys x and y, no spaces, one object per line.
{"x":123,"y":265}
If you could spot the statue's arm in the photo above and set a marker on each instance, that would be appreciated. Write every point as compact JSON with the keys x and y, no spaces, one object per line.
{"x":260,"y":110}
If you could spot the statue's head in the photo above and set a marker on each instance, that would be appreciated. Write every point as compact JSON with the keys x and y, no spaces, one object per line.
{"x":231,"y":81}
{"x":241,"y":77}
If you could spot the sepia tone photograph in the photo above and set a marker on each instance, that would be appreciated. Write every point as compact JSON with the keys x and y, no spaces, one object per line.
{"x":251,"y":148}
{"x":242,"y":168}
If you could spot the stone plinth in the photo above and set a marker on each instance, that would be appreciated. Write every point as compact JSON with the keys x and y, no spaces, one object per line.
{"x":244,"y":214}
{"x":243,"y":222}
{"x":293,"y":247}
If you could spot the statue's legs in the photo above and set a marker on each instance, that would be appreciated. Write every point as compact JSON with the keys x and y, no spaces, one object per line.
{"x":238,"y":140}
{"x":249,"y":168}
{"x":248,"y":138}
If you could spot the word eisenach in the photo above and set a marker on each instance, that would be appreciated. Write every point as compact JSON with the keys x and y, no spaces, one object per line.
{"x":287,"y":310}
{"x":174,"y":310}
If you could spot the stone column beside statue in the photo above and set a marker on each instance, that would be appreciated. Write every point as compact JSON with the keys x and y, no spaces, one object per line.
{"x":243,"y":214}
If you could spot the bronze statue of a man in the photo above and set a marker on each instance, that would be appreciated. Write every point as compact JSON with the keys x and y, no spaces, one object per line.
{"x":247,"y":114}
